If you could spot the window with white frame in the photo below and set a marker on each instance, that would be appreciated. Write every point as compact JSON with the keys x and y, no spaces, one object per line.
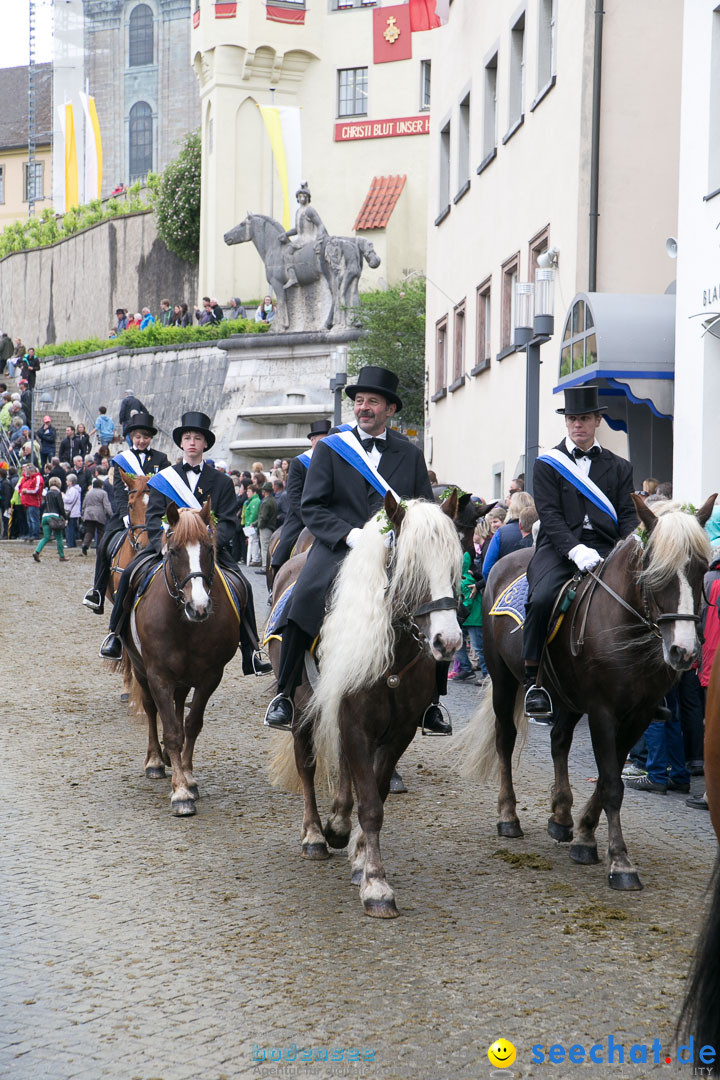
{"x":444,"y":167}
{"x":546,"y":43}
{"x":490,"y":108}
{"x":459,"y":347}
{"x":38,"y":192}
{"x":441,"y":328}
{"x":464,"y":143}
{"x":509,"y":279}
{"x":352,"y":91}
{"x":517,"y":73}
{"x":424,"y":84}
{"x":345,"y":5}
{"x":482,"y":327}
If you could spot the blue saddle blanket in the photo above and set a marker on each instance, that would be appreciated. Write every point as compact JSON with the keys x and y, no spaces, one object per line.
{"x":512,"y":600}
{"x":276,"y":616}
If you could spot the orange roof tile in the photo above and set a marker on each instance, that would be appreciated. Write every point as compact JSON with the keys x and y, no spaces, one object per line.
{"x":380,"y":202}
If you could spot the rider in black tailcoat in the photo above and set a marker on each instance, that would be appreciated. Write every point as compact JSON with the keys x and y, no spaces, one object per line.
{"x":204,"y":482}
{"x":141,"y":429}
{"x":336,"y":503}
{"x":293,"y":524}
{"x":574,"y":534}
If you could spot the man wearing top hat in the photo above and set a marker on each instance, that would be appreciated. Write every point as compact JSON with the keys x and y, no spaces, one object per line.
{"x":194,"y":437}
{"x":140,"y":429}
{"x":577,"y":530}
{"x":293,"y":524}
{"x":337,"y":502}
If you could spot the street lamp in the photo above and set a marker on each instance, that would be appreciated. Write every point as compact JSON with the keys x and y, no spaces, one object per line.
{"x":534,"y":325}
{"x":339,"y":355}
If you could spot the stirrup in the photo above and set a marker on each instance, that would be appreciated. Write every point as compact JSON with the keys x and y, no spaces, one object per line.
{"x":102,"y":656}
{"x":257,"y":659}
{"x":436,"y":734}
{"x":94,"y":605}
{"x":545,"y":711}
{"x":276,"y":727}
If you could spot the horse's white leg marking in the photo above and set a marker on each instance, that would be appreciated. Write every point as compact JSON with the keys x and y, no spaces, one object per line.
{"x":199,"y":595}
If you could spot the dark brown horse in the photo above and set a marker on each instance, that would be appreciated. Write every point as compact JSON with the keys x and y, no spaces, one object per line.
{"x":303,"y":543}
{"x":134,"y":540}
{"x":701,"y":1011}
{"x":392,"y":616}
{"x":618,"y":650}
{"x":181,"y":634}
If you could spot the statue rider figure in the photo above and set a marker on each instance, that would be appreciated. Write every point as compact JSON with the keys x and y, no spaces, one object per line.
{"x":309,"y":229}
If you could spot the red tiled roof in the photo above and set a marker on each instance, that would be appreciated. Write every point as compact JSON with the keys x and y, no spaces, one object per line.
{"x":380,"y":202}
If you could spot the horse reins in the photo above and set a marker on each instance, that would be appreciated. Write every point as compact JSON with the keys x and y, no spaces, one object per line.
{"x":178,"y":586}
{"x":407,"y":622}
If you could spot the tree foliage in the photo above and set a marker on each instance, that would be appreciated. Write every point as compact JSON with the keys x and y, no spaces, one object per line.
{"x":394,"y":321}
{"x":177,"y":206}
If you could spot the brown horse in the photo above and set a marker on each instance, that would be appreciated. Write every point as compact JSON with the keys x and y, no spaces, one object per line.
{"x":134,"y":540}
{"x":700,"y":1015}
{"x":303,"y":543}
{"x":618,"y":650}
{"x":181,"y":634}
{"x":392,"y":616}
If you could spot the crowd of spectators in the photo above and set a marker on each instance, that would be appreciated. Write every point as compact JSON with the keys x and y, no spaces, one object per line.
{"x":209,"y":313}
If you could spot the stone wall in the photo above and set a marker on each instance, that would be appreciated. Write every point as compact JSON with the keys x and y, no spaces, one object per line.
{"x":70,"y":290}
{"x":260,"y":391}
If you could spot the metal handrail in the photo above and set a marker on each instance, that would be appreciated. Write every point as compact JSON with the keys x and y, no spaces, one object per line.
{"x":6,"y":450}
{"x":89,"y":420}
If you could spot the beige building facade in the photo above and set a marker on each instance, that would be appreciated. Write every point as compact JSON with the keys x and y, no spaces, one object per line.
{"x":536,"y":146}
{"x":363,"y":124}
{"x":14,"y":162}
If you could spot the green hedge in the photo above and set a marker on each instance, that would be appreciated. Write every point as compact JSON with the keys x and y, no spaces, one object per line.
{"x":155,"y":335}
{"x":46,"y":228}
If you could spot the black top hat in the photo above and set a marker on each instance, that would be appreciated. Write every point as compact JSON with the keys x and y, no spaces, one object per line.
{"x":376,"y":380}
{"x":581,"y":399}
{"x":194,"y":421}
{"x":319,"y":427}
{"x":141,"y":421}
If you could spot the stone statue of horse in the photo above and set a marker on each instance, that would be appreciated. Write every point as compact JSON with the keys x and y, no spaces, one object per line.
{"x":335,"y":261}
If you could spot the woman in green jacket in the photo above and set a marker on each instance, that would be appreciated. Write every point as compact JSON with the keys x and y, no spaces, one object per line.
{"x":250,"y":512}
{"x":472,"y":625}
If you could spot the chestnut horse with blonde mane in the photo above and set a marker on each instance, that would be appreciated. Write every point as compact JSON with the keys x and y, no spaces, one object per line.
{"x":392,"y":616}
{"x":181,"y":633}
{"x":134,"y":540}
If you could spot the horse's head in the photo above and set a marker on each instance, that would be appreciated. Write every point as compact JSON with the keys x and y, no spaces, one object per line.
{"x":673,"y":566}
{"x":369,"y":253}
{"x":427,"y":568}
{"x":190,"y":559}
{"x":241,"y":233}
{"x":468,"y":514}
{"x":138,"y":498}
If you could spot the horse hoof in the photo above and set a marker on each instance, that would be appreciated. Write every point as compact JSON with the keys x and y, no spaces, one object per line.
{"x":194,"y":793}
{"x":509,"y":828}
{"x":316,"y":852}
{"x":336,"y":839}
{"x":356,"y":877}
{"x":585,"y":854}
{"x":183,"y":808}
{"x":625,"y":881}
{"x":124,"y":697}
{"x":155,"y":772}
{"x":562,"y":833}
{"x":397,"y":784}
{"x":380,"y":909}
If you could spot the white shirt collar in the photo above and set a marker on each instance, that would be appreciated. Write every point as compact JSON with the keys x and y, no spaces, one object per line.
{"x":570,"y":445}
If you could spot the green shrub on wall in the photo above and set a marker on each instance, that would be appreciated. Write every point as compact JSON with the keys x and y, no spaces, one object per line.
{"x":177,"y":205}
{"x":154,"y":335}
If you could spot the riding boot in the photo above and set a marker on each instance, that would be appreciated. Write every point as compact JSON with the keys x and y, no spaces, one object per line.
{"x":433,"y":722}
{"x":538,"y":703}
{"x":95,"y":598}
{"x":252,"y":662}
{"x":295,"y":643}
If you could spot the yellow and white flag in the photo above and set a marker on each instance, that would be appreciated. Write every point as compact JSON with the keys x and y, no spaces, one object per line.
{"x":93,"y":149}
{"x":282,"y":123}
{"x":71,"y":165}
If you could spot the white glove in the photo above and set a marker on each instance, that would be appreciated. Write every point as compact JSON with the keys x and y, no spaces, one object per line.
{"x":126,"y":521}
{"x":353,"y":537}
{"x":585,"y":558}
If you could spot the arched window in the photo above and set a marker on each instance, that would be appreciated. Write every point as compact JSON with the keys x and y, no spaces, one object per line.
{"x":579,"y":344}
{"x":141,"y":36}
{"x":141,"y":140}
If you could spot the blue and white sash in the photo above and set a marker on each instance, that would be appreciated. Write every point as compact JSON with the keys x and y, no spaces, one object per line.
{"x":170,"y":484}
{"x":568,"y":469}
{"x":129,"y":462}
{"x":346,"y":445}
{"x":306,"y":457}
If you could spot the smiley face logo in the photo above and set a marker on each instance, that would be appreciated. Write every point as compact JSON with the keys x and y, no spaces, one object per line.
{"x":501,"y":1054}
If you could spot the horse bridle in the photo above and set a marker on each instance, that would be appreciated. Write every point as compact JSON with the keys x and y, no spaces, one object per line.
{"x":406,"y":621}
{"x":176,"y":592}
{"x":134,"y":542}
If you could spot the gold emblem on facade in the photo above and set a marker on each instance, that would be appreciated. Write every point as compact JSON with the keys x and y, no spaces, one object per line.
{"x":392,"y":32}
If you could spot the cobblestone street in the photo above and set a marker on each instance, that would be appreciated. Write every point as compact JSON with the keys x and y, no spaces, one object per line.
{"x":139,"y":945}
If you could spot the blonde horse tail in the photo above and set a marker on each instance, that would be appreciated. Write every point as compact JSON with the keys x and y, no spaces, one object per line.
{"x":282,"y":769}
{"x":473,"y":752}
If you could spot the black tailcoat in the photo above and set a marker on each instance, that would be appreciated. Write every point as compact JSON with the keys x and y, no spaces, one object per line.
{"x":562,"y":509}
{"x":337,"y":499}
{"x":155,"y":460}
{"x":223,"y":501}
{"x":293,"y":524}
